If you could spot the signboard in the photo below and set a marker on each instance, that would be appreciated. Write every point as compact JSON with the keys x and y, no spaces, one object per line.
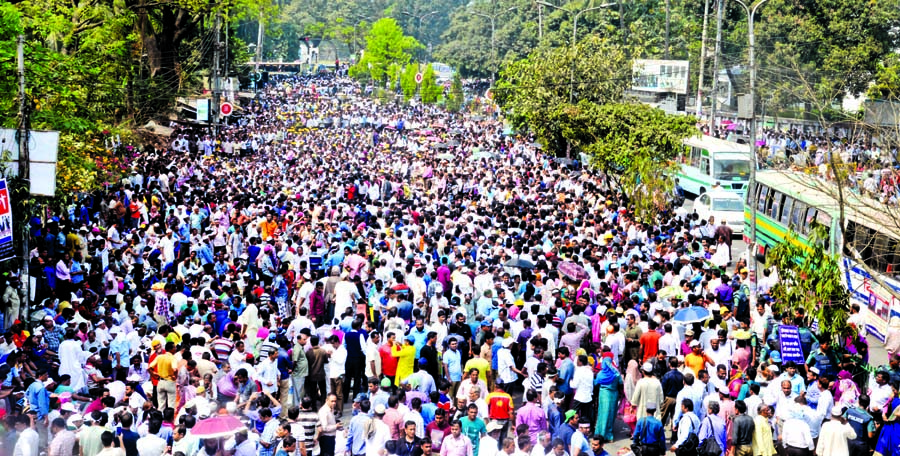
{"x":226,"y":108}
{"x":791,"y":349}
{"x":6,"y":223}
{"x":42,"y":154}
{"x":419,"y":78}
{"x":203,"y":110}
{"x":663,"y":76}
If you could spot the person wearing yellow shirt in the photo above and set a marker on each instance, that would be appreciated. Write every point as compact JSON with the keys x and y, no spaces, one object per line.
{"x":165,"y":366}
{"x":267,"y":228}
{"x":696,"y":360}
{"x":406,"y":356}
{"x":478,"y":362}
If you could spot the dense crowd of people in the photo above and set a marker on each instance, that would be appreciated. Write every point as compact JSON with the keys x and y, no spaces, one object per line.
{"x":351,"y":278}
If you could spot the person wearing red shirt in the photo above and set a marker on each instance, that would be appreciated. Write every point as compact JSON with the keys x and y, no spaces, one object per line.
{"x":500,"y":408}
{"x":650,"y":341}
{"x":388,"y":361}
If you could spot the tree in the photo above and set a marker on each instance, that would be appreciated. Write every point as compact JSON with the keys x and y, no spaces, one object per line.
{"x":431,"y":91}
{"x":811,"y":278}
{"x":533,"y":91}
{"x":456,"y":97}
{"x":633,"y":144}
{"x":408,"y":83}
{"x":385,"y":45}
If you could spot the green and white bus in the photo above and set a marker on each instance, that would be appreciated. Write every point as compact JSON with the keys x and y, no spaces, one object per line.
{"x":705,"y":161}
{"x":870,"y":257}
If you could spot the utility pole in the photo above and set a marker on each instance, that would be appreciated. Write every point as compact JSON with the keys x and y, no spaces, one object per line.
{"x":225,"y":73}
{"x":702,"y":60}
{"x":216,"y":86}
{"x":23,"y":164}
{"x":259,"y":43}
{"x":715,"y":85}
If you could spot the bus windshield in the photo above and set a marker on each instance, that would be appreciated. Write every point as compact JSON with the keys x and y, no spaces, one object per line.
{"x":732,"y":169}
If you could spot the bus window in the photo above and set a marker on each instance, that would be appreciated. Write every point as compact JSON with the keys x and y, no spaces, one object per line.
{"x":695,"y":157}
{"x":881,"y":253}
{"x":761,"y":203}
{"x":786,"y":210}
{"x":774,"y":205}
{"x":893,"y":266}
{"x":862,"y":240}
{"x":808,"y":220}
{"x":797,"y":216}
{"x":704,"y":166}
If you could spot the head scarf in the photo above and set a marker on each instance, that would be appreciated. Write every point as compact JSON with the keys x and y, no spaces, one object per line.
{"x":632,"y":375}
{"x":608,"y":374}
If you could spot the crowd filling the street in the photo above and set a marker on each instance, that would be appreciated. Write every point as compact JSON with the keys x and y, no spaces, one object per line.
{"x":334,"y":275}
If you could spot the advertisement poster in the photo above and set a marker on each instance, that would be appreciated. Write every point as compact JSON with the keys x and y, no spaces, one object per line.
{"x":6,"y":223}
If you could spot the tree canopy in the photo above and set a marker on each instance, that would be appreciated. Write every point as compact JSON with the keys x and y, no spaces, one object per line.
{"x":386,"y":45}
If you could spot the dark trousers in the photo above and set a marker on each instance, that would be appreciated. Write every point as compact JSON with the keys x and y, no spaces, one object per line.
{"x":326,"y":445}
{"x":316,"y":391}
{"x":355,"y":376}
{"x":585,"y":409}
{"x":792,"y":451}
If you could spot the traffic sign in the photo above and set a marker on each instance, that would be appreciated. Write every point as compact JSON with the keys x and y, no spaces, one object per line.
{"x":418,"y":78}
{"x":226,"y":108}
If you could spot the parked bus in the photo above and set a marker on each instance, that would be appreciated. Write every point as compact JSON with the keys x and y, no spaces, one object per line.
{"x":790,"y":200}
{"x":705,"y":160}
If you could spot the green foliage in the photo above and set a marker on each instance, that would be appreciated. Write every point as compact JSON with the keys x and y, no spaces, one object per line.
{"x":385,"y":45}
{"x":633,"y":143}
{"x":815,"y":50}
{"x":536,"y":90}
{"x":811,"y":279}
{"x":431,"y":91}
{"x":456,"y":97}
{"x":887,"y":80}
{"x":408,"y":81}
{"x":574,"y":96}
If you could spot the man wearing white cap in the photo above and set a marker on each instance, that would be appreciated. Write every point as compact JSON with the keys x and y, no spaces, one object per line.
{"x":647,"y":390}
{"x":835,"y":435}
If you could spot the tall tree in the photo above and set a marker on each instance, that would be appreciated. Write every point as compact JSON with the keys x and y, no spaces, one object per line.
{"x":385,"y":45}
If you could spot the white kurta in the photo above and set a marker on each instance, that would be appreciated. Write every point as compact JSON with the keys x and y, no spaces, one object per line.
{"x":71,"y":361}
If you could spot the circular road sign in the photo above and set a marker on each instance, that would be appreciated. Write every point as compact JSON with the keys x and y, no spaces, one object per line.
{"x":226,"y":108}
{"x":418,"y":78}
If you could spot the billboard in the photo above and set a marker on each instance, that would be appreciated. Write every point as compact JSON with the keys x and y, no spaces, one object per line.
{"x":6,"y":223}
{"x":663,"y":76}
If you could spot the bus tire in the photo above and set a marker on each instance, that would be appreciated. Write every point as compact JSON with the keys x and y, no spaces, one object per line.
{"x":702,"y":191}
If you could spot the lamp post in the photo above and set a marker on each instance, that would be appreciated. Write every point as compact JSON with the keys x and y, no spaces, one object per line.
{"x":751,"y":38}
{"x":493,"y":19}
{"x":576,"y":14}
{"x":420,"y":18}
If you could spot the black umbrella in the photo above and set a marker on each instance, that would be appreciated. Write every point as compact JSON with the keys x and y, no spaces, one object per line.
{"x":520,"y":263}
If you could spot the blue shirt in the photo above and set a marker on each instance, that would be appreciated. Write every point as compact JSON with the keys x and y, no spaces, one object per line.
{"x":649,"y":431}
{"x":566,"y":372}
{"x":38,"y":398}
{"x":454,"y":365}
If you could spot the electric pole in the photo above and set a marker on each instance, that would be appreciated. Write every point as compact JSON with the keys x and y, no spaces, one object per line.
{"x":216,"y":86}
{"x":715,"y":81}
{"x":23,"y":164}
{"x":702,"y":60}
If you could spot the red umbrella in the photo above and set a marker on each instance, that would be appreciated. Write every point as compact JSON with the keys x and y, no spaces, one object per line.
{"x":217,"y":426}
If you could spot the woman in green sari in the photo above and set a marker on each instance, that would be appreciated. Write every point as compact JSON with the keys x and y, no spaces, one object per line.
{"x":610,"y":382}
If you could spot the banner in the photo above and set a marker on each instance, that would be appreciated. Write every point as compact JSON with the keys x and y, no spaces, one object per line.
{"x":791,"y":349}
{"x":6,"y":224}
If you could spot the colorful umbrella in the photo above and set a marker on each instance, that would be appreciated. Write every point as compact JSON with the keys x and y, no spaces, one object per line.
{"x":692,"y":314}
{"x":217,"y":426}
{"x":572,"y":271}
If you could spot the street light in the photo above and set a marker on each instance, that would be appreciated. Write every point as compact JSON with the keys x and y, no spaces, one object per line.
{"x":751,"y":37}
{"x":575,"y":15}
{"x":421,"y":18}
{"x":493,"y":32}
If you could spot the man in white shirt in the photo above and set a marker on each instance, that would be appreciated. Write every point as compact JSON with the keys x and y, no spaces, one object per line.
{"x":583,"y":384}
{"x":268,"y":374}
{"x":28,"y":441}
{"x":335,"y":369}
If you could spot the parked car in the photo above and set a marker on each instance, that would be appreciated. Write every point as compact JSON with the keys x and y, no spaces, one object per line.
{"x":722,"y":205}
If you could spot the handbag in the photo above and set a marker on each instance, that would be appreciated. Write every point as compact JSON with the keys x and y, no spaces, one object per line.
{"x":638,"y":447}
{"x":710,"y":447}
{"x":690,"y":445}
